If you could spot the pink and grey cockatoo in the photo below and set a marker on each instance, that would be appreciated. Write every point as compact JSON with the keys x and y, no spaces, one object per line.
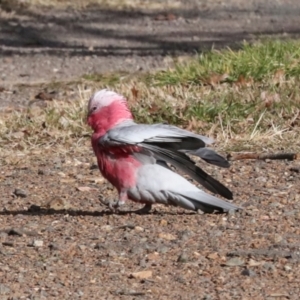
{"x":133,"y":158}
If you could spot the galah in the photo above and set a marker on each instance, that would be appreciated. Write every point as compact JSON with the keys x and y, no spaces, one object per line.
{"x":134,"y":158}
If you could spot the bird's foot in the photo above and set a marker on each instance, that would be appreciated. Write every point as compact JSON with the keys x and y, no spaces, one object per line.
{"x":144,"y":210}
{"x":113,"y":206}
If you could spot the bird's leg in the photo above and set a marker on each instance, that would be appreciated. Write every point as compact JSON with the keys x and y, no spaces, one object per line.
{"x":144,"y":210}
{"x":114,"y":205}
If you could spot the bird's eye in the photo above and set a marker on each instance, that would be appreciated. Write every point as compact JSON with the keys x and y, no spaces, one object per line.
{"x":94,"y":108}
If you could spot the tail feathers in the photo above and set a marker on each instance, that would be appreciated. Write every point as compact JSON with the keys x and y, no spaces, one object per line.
{"x":211,"y":157}
{"x":181,"y":161}
{"x":210,"y":183}
{"x":205,"y":202}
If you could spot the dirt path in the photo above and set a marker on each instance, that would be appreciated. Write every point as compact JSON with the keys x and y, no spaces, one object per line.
{"x":44,"y":44}
{"x":71,"y":248}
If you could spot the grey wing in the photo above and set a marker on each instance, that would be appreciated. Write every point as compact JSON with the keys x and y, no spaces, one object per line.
{"x":159,"y":185}
{"x":168,"y":144}
{"x":210,"y":156}
{"x":171,"y":138}
{"x":158,"y":133}
{"x":185,"y":164}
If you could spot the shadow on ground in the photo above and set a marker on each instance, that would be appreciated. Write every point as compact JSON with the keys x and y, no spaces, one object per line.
{"x":104,"y":32}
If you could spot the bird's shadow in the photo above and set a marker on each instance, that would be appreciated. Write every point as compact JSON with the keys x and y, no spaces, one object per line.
{"x":35,"y":210}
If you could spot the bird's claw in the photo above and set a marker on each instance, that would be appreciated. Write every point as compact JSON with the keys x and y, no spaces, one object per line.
{"x":113,"y":206}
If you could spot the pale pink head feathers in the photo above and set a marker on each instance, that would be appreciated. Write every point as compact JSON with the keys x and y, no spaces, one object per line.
{"x":106,"y":109}
{"x":103,"y":98}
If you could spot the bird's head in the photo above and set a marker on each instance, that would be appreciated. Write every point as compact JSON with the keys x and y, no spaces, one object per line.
{"x":107,"y":109}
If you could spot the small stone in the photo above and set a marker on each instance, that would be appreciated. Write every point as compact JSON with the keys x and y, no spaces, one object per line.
{"x":183,"y":258}
{"x":163,"y":249}
{"x":248,"y":272}
{"x":253,"y":263}
{"x":167,"y":236}
{"x":287,"y":268}
{"x":138,"y":228}
{"x":57,"y":204}
{"x":141,"y":275}
{"x":213,"y":256}
{"x":268,"y":266}
{"x":4,"y":289}
{"x":277,"y":238}
{"x":232,"y":212}
{"x":53,"y":247}
{"x":143,"y":263}
{"x":100,"y":246}
{"x":233,"y":262}
{"x":20,"y":193}
{"x":153,"y":256}
{"x":37,"y":243}
{"x":82,"y":247}
{"x":163,"y":222}
{"x":106,"y":228}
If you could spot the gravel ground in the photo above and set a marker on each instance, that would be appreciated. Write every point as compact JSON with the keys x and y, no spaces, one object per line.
{"x":42,"y":45}
{"x":58,"y":242}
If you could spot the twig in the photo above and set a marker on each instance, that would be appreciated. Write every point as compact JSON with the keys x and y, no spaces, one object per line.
{"x":250,"y":155}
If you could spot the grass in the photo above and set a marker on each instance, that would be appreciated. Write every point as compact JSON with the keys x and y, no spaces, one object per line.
{"x":257,"y":62}
{"x":256,"y":105}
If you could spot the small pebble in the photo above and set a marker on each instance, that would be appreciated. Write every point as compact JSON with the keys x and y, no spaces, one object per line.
{"x":233,"y":262}
{"x":38,"y":243}
{"x":182,"y":258}
{"x":20,"y":193}
{"x":248,"y":272}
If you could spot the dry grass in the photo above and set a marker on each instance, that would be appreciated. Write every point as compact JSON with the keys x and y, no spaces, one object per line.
{"x":62,"y":123}
{"x":261,"y":113}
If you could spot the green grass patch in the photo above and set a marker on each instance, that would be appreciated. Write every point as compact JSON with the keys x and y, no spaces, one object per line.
{"x":258,"y":103}
{"x":258,"y":61}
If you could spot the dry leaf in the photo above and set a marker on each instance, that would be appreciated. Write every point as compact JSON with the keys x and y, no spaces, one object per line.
{"x":154,"y":108}
{"x":134,"y":92}
{"x":269,"y":98}
{"x":167,"y":236}
{"x":279,"y":76}
{"x":141,"y":275}
{"x":215,"y":79}
{"x":86,"y":189}
{"x":195,"y":124}
{"x":242,"y":81}
{"x":44,"y":96}
{"x":165,"y":17}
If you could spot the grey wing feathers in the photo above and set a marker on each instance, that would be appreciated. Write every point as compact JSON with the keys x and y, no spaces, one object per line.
{"x":138,"y":133}
{"x":185,"y":164}
{"x":208,"y":203}
{"x":168,"y":137}
{"x":169,"y":144}
{"x":210,"y":156}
